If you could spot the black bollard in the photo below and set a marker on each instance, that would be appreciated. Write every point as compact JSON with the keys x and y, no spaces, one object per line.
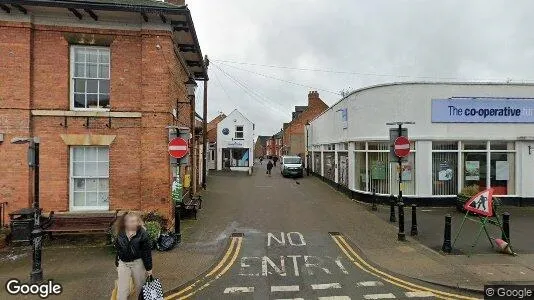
{"x":401,"y":235}
{"x":177,"y":222}
{"x":373,"y":207}
{"x":392,"y":217}
{"x":447,"y":247}
{"x":506,"y":227}
{"x":414,"y":231}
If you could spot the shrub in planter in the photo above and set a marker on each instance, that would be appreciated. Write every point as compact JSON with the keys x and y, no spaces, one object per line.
{"x":153,"y":229}
{"x":466,"y":194}
{"x":156,"y":217}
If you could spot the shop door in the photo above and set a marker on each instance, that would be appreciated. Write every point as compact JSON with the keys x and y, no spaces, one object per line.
{"x":212,"y":162}
{"x":343,"y":175}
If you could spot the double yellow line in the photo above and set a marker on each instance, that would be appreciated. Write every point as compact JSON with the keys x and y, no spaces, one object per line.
{"x":219,"y":270}
{"x":362,"y":264}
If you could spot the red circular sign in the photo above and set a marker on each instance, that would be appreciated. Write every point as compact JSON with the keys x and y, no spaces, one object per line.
{"x":402,"y":146}
{"x":178,"y":148}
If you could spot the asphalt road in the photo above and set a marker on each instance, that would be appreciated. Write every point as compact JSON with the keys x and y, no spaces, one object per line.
{"x":285,"y":246}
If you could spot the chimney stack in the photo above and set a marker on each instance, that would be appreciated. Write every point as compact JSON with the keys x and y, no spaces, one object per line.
{"x":313,"y":96}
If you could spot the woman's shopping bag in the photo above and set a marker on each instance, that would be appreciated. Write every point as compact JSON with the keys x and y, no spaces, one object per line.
{"x":152,"y":289}
{"x":115,"y":291}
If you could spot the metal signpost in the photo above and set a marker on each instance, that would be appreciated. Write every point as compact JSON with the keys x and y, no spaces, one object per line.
{"x":36,"y":275}
{"x":400,"y":148}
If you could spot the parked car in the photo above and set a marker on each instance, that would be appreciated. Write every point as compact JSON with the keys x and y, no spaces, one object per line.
{"x":291,"y":166}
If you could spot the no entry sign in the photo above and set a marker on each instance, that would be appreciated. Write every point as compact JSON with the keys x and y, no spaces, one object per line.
{"x":402,"y":146}
{"x":178,"y":148}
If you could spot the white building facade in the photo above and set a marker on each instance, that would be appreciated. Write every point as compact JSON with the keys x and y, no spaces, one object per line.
{"x":465,"y":134}
{"x":235,"y":143}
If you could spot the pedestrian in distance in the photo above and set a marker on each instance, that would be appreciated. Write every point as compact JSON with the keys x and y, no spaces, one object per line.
{"x":134,"y":256}
{"x":275,"y":159}
{"x":261,"y":160}
{"x":269,"y":168}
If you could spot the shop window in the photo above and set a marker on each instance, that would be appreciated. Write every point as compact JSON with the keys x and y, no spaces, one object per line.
{"x":317,"y":162}
{"x":235,"y":157}
{"x":378,"y":146}
{"x":502,"y":178}
{"x":343,"y":169}
{"x":475,"y":169}
{"x":359,"y":146}
{"x":379,"y":172}
{"x":444,"y":146}
{"x":502,"y":146}
{"x":360,"y":180}
{"x":329,"y":164}
{"x":474,"y":145}
{"x":408,"y":176}
{"x":239,"y":132}
{"x":444,"y":173}
{"x":90,"y":77}
{"x":89,"y":178}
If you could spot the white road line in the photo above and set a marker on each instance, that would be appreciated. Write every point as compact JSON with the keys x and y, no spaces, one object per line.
{"x":379,"y":296}
{"x":335,"y":298}
{"x":325,"y":286}
{"x":419,"y":294}
{"x":239,"y":289}
{"x":291,"y":299}
{"x":285,"y":288}
{"x":369,"y":283}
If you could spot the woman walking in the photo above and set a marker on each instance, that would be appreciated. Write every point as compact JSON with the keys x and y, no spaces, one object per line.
{"x":134,"y":256}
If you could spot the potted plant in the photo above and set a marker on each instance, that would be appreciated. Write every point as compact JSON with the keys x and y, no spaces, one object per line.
{"x":153,"y":228}
{"x":466,"y":194}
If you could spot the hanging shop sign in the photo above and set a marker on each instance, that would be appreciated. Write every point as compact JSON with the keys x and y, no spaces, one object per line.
{"x":483,"y":110}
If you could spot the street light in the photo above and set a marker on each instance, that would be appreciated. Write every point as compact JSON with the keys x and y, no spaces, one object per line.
{"x":36,"y":274}
{"x":307,"y":125}
{"x":191,"y":86}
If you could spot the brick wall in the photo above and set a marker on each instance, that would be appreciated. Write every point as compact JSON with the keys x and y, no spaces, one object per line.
{"x":144,"y":78}
{"x":294,"y":141}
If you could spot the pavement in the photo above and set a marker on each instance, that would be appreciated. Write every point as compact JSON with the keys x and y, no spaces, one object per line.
{"x":294,"y":238}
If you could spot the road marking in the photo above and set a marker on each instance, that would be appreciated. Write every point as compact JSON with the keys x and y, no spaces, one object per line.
{"x":219,"y":270}
{"x":238,"y":290}
{"x":291,"y":299}
{"x":365,"y":266}
{"x":419,"y":294}
{"x":325,"y":286}
{"x":335,"y":298}
{"x":285,"y":288}
{"x":379,"y":296}
{"x":369,"y":283}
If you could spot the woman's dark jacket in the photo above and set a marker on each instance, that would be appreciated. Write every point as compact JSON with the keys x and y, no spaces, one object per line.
{"x":139,"y":246}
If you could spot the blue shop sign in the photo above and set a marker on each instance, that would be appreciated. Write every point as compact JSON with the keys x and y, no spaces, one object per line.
{"x":483,"y":110}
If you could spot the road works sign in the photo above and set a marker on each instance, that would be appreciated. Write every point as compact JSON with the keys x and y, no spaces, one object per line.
{"x":481,"y":203}
{"x":178,"y":148}
{"x":401,"y":146}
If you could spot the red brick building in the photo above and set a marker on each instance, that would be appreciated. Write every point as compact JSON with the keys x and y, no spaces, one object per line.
{"x":260,"y":146}
{"x":274,"y":145}
{"x":99,"y":83}
{"x":293,"y":137}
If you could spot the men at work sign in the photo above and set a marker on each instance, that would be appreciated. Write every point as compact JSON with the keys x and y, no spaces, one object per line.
{"x":481,"y":203}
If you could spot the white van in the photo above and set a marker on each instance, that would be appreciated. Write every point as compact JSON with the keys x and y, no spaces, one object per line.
{"x":291,"y":166}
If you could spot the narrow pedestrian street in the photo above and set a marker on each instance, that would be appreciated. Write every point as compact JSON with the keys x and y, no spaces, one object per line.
{"x":292,"y":239}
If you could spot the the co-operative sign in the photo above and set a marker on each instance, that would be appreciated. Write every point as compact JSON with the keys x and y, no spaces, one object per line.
{"x":483,"y":110}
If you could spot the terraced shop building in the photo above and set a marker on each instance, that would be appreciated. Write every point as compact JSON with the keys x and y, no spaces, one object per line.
{"x":465,"y":134}
{"x":99,"y":82}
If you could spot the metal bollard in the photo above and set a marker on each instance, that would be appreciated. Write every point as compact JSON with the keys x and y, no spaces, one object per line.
{"x":447,"y":247}
{"x":401,"y":235}
{"x":373,"y":207}
{"x":506,"y":227}
{"x":414,"y":230}
{"x":392,"y":217}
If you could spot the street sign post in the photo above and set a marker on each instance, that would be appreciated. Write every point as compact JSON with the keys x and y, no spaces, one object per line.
{"x":178,"y":148}
{"x":393,"y":135}
{"x":401,"y":146}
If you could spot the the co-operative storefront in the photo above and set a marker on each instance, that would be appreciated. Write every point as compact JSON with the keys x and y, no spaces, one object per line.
{"x":465,"y":134}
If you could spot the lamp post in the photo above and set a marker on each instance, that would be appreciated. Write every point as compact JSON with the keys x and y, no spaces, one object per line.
{"x":191,"y":86}
{"x":307,"y":125}
{"x":36,"y":274}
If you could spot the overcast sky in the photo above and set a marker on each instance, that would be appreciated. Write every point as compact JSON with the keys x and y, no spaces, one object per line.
{"x":364,"y":42}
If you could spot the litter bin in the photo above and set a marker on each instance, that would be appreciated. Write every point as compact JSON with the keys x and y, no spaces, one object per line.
{"x":21,"y":223}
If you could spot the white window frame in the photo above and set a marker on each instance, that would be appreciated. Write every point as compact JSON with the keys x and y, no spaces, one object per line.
{"x":71,"y":183}
{"x":242,"y":132}
{"x":71,"y":77}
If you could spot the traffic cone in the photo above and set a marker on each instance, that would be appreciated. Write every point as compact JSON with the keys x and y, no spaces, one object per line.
{"x":503,"y":246}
